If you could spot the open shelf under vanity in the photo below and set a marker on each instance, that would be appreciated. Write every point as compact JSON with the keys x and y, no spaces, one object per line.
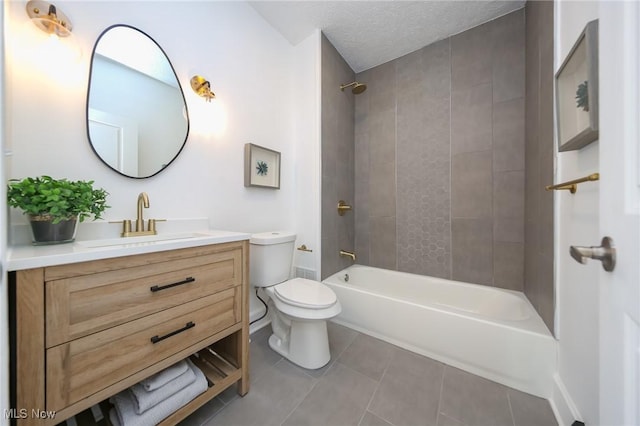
{"x":85,"y":331}
{"x":219,"y":367}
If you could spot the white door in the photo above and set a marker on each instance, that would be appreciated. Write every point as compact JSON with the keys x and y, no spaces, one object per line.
{"x":115,"y":140}
{"x":620,"y":211}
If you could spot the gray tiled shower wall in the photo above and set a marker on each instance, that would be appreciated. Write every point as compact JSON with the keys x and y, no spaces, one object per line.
{"x":539,"y":147}
{"x":338,"y":108}
{"x":440,"y":134}
{"x":439,"y":158}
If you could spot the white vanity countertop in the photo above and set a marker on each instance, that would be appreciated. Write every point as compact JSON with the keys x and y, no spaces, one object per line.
{"x":28,"y":256}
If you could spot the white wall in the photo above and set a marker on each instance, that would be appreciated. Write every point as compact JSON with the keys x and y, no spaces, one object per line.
{"x":267,"y":94}
{"x":577,"y":219}
{"x":250,"y":68}
{"x":306,"y":94}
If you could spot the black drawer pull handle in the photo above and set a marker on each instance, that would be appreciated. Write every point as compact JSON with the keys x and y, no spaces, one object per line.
{"x":156,"y":339}
{"x":163,"y":287}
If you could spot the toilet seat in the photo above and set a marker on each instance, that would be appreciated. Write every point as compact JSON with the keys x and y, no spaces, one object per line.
{"x":305,"y":294}
{"x":298,"y":309}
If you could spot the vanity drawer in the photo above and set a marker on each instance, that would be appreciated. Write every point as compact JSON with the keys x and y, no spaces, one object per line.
{"x":84,"y":366}
{"x":80,"y":305}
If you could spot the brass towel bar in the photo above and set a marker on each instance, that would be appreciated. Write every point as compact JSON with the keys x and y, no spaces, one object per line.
{"x":572,"y":185}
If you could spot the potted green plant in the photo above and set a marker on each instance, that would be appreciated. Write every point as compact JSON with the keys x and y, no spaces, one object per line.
{"x":55,"y":206}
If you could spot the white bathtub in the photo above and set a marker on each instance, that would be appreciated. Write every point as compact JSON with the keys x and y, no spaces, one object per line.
{"x":490,"y":332}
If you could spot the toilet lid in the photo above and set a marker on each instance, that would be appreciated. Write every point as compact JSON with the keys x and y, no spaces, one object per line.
{"x":306,"y":293}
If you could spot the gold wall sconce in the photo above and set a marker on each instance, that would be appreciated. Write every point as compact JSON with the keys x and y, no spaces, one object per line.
{"x":48,"y":18}
{"x":54,"y":42}
{"x":202,"y":87}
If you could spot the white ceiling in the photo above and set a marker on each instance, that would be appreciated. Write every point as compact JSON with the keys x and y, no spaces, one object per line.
{"x":370,"y":33}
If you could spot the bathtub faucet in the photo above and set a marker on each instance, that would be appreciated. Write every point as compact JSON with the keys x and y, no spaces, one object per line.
{"x":348,"y":254}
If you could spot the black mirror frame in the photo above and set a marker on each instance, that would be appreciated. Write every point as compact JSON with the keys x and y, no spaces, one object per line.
{"x":93,"y":52}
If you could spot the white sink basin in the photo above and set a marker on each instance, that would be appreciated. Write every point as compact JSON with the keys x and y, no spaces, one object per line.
{"x":145,"y":239}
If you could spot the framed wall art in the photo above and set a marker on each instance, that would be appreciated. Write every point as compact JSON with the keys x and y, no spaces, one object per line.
{"x":577,"y":92}
{"x":261,"y":167}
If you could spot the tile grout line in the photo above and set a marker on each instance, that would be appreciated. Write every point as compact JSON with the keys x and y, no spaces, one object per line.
{"x":374,"y":392}
{"x":209,"y":419}
{"x":384,"y":373}
{"x":444,"y":369}
{"x":450,"y":159}
{"x":345,"y":348}
{"x":225,"y":405}
{"x":315,"y":383}
{"x":316,"y":380}
{"x":513,"y":418}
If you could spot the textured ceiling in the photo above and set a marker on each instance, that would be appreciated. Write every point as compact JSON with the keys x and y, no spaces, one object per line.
{"x":370,"y":33}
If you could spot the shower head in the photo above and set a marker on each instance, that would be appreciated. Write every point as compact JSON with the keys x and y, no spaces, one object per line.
{"x":356,"y":89}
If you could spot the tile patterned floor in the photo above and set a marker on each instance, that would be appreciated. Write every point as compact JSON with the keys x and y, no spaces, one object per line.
{"x":367,"y":383}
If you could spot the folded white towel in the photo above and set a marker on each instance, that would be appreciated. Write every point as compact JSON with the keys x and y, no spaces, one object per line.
{"x":125,"y":410}
{"x":164,"y":376}
{"x":144,"y":400}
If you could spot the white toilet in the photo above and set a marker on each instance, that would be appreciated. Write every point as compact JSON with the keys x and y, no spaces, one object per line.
{"x":298,"y":308}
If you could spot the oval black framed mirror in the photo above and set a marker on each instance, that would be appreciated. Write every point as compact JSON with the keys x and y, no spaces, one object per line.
{"x":137,"y":118}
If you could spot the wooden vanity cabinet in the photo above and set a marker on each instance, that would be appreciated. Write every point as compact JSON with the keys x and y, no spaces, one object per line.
{"x":85,"y":331}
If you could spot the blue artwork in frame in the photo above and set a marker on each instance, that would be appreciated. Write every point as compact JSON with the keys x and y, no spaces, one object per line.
{"x":261,"y":167}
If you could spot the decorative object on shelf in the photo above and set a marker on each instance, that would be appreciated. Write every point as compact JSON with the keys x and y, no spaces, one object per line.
{"x":261,"y":167}
{"x":202,"y":87}
{"x":55,"y":206}
{"x":577,"y":92}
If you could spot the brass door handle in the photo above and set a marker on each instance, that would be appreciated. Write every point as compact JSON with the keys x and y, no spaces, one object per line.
{"x":605,"y":253}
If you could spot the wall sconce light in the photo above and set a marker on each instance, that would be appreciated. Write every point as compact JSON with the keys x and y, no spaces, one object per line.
{"x":208,"y":119}
{"x":202,"y":87}
{"x":48,"y":18}
{"x":56,"y":42}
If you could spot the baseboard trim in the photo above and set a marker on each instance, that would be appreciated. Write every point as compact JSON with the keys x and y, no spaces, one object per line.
{"x":562,"y":405}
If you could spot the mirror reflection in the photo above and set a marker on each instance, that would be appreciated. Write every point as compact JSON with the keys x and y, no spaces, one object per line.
{"x":137,"y":119}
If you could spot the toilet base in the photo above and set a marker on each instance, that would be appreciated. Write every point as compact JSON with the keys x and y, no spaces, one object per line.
{"x":307,"y":344}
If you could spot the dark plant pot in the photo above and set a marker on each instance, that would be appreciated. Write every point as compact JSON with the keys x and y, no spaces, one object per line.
{"x":46,"y":232}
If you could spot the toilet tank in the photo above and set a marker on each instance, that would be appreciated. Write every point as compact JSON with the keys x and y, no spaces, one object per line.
{"x":270,"y":257}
